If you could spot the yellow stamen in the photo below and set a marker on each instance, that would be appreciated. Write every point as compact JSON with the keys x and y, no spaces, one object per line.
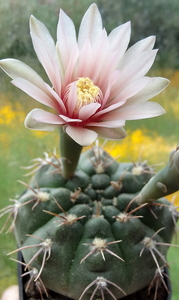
{"x":87,"y":92}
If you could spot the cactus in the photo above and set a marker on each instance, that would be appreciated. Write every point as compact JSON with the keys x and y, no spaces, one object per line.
{"x":88,"y":236}
{"x":88,"y":226}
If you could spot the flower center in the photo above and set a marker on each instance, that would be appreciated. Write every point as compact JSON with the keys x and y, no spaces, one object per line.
{"x":87,"y":92}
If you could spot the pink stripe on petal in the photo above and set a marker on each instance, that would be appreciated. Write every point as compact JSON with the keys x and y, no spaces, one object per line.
{"x":106,"y":96}
{"x":100,"y":54}
{"x":71,"y":70}
{"x":62,"y":108}
{"x":109,"y":109}
{"x":87,"y":111}
{"x":112,"y":80}
{"x":35,"y":92}
{"x":82,"y":136}
{"x":108,"y":68}
{"x":71,"y":98}
{"x":85,"y":57}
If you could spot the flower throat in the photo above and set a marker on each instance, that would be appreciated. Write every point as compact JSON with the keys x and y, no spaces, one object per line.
{"x":87,"y":92}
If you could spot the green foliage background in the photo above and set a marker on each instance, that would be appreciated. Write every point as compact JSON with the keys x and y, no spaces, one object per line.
{"x":154,"y":17}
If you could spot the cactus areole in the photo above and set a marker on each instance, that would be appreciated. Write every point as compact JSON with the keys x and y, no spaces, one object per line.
{"x":90,"y":227}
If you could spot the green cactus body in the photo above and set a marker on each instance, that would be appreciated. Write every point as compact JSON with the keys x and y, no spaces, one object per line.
{"x":87,"y":237}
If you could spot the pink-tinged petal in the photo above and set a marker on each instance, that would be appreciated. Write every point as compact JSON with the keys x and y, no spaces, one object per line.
{"x":106,"y":122}
{"x":109,"y":109}
{"x":41,"y":115}
{"x":85,"y":58}
{"x":157,"y":85}
{"x":111,"y":81}
{"x":81,"y":136}
{"x":69,"y":120}
{"x":50,"y":67}
{"x":132,"y":89}
{"x":120,"y":36}
{"x":100,"y":54}
{"x":87,"y":111}
{"x":106,"y":96}
{"x":39,"y":119}
{"x":108,"y":68}
{"x":61,"y":106}
{"x":110,"y":133}
{"x":91,"y":26}
{"x":139,"y":47}
{"x":138,"y":111}
{"x":46,"y":51}
{"x":17,"y":69}
{"x":71,"y":70}
{"x":35,"y":92}
{"x":66,"y":38}
{"x":139,"y":66}
{"x":71,"y":98}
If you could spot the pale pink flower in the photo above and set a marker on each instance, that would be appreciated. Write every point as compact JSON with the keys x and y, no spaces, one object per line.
{"x":97,"y":84}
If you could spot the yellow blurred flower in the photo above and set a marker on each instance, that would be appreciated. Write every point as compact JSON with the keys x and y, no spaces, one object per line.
{"x":152,"y":147}
{"x":10,"y":113}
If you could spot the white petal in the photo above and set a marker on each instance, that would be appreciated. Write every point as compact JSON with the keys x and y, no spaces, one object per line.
{"x":138,"y":111}
{"x":17,"y":69}
{"x":108,"y":68}
{"x":110,"y":108}
{"x":119,"y":39}
{"x":71,"y":98}
{"x":112,"y":79}
{"x":40,"y":30}
{"x":45,"y":49}
{"x":157,"y":85}
{"x":66,"y":37}
{"x":139,"y":47}
{"x":70,"y":72}
{"x":62,"y":108}
{"x":87,"y":111}
{"x":106,"y":122}
{"x":35,"y":92}
{"x":85,"y":57}
{"x":139,"y":66}
{"x":110,"y":133}
{"x":69,"y":120}
{"x":131,"y":89}
{"x":91,"y":26}
{"x":100,"y":55}
{"x":82,"y":136}
{"x":39,"y":119}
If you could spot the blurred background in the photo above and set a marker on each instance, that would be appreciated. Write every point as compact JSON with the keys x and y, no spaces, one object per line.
{"x":151,"y":139}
